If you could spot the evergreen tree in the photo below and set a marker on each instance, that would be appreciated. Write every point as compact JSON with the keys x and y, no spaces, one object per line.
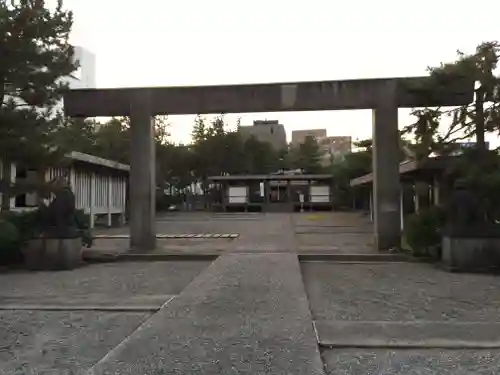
{"x":307,"y":156}
{"x":36,"y":56}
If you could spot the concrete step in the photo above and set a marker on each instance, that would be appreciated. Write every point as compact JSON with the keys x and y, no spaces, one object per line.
{"x":408,"y":335}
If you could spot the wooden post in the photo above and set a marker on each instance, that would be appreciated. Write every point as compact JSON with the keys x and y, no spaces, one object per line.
{"x":72,"y":179}
{"x":371,"y":205}
{"x":402,"y":210}
{"x":110,"y":200}
{"x":123,"y":198}
{"x":435,"y":191}
{"x":92,"y":199}
{"x":416,"y":198}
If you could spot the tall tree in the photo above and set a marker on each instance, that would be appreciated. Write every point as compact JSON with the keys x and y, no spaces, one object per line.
{"x":260,"y":157}
{"x":472,"y":120}
{"x":307,"y":156}
{"x":36,"y":55}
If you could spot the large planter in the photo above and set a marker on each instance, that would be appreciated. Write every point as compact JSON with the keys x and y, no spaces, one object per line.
{"x":53,"y":253}
{"x":470,"y":250}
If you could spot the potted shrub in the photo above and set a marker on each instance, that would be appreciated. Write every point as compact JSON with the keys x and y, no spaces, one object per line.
{"x":62,"y":233}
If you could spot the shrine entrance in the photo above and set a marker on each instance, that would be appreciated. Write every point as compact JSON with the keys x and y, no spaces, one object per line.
{"x":384,"y":96}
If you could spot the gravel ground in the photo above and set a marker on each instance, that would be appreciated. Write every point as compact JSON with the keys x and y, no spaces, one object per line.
{"x":411,"y":362}
{"x":399,"y":292}
{"x":55,"y":343}
{"x":116,"y":281}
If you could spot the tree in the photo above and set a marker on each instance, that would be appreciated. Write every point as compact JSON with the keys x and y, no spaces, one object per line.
{"x":260,"y":157}
{"x":175,"y":166}
{"x":307,"y":156}
{"x":474,"y":119}
{"x":36,"y":55}
{"x":112,"y":140}
{"x":77,"y":134}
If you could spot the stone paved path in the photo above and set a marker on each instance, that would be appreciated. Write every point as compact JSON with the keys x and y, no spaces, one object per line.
{"x":246,"y":314}
{"x":322,"y":232}
{"x":253,"y":310}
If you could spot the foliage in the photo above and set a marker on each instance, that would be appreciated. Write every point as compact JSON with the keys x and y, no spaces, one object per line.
{"x":217,"y":151}
{"x":423,"y":231}
{"x":260,"y":157}
{"x":16,"y":228}
{"x":9,"y":243}
{"x":484,"y":181}
{"x":27,"y":222}
{"x":307,"y":156}
{"x":109,"y":140}
{"x":82,"y":222}
{"x":475,"y":119}
{"x":36,"y":55}
{"x":353,"y":165}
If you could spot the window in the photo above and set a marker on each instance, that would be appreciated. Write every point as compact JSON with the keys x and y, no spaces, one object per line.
{"x":77,"y":74}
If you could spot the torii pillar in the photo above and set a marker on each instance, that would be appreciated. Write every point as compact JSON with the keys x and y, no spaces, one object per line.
{"x":386,"y":184}
{"x":142,"y":172}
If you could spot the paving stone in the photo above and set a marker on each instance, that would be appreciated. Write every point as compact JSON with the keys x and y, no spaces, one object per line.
{"x":245,"y":314}
{"x":411,"y":362}
{"x":91,"y":301}
{"x":424,"y":334}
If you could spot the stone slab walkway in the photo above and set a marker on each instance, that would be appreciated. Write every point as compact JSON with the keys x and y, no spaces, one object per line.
{"x":245,"y":314}
{"x":212,"y":233}
{"x":408,"y":335}
{"x":411,"y":362}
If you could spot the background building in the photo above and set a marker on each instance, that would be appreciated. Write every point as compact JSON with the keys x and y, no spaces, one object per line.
{"x":270,"y":131}
{"x":299,"y":136}
{"x":334,"y":148}
{"x":85,"y":76}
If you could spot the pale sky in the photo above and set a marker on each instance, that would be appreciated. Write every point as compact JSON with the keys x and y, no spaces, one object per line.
{"x":200,"y":42}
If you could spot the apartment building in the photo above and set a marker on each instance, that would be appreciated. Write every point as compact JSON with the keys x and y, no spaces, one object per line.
{"x":299,"y":136}
{"x":332,"y":147}
{"x":270,"y":131}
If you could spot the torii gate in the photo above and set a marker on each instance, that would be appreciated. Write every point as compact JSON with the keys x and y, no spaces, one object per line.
{"x":384,"y":96}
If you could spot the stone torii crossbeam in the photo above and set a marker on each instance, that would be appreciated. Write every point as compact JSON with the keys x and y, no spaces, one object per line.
{"x":384,"y":96}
